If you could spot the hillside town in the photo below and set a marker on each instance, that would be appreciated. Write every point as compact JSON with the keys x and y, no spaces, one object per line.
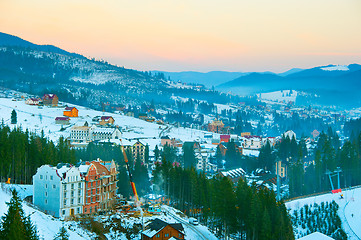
{"x":218,"y":145}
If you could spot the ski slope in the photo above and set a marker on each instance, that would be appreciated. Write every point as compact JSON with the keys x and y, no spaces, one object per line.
{"x":349,"y":209}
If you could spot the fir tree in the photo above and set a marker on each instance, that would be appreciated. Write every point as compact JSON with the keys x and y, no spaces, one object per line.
{"x":14,"y":119}
{"x":62,"y":234}
{"x":15,"y":225}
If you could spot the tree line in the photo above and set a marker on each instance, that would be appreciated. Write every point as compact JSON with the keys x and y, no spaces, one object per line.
{"x":227,"y":208}
{"x":22,"y":153}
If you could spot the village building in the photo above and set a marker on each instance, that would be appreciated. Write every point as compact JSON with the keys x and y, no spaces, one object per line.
{"x":234,"y":175}
{"x":251,"y":142}
{"x":106,"y":120}
{"x":71,"y":112}
{"x":138,"y":150}
{"x":160,"y":230}
{"x":33,"y":101}
{"x":59,"y":190}
{"x":50,"y":100}
{"x":86,"y":134}
{"x":62,"y":120}
{"x":99,"y":187}
{"x":216,"y":126}
{"x":167,"y":140}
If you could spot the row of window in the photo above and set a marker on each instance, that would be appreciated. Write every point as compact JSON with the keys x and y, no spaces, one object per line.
{"x":46,"y":177}
{"x":72,"y":201}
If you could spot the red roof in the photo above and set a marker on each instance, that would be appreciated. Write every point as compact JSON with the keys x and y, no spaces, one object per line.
{"x":106,"y":117}
{"x":252,"y":137}
{"x":225,"y":136}
{"x":62,"y":119}
{"x":69,"y":108}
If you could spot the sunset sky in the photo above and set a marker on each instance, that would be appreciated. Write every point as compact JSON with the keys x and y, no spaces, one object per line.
{"x":200,"y":35}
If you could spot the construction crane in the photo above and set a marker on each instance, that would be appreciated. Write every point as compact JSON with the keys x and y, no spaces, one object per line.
{"x":130,"y":175}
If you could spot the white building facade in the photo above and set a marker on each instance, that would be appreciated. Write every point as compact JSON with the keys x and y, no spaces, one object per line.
{"x":58,"y":190}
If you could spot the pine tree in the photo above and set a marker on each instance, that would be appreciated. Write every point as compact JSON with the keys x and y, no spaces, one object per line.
{"x":62,"y":234}
{"x":15,"y":225}
{"x":14,"y":119}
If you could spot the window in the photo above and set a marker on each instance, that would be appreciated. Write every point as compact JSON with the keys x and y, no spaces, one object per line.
{"x":85,"y":209}
{"x":72,"y":193}
{"x":64,"y":202}
{"x":64,"y":187}
{"x":72,"y":201}
{"x":79,"y":193}
{"x":41,"y":176}
{"x":180,"y":235}
{"x":63,"y":212}
{"x":158,"y":235}
{"x":72,"y":186}
{"x":51,"y":177}
{"x":166,"y":235}
{"x":79,"y":200}
{"x":46,"y":185}
{"x":79,"y":185}
{"x":54,"y":186}
{"x":64,"y":195}
{"x":90,"y":209}
{"x":46,"y":201}
{"x":46,"y":194}
{"x":78,"y":210}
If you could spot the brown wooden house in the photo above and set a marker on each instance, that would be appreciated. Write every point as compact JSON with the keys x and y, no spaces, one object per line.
{"x":106,"y":120}
{"x":160,"y":230}
{"x":50,"y":100}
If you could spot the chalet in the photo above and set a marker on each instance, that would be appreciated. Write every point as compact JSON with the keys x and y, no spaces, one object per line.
{"x":216,"y":126}
{"x":225,"y":138}
{"x":71,"y":112}
{"x":234,"y":175}
{"x":33,"y":101}
{"x":62,"y":120}
{"x":160,"y":230}
{"x":166,"y":140}
{"x":50,"y":100}
{"x":106,"y":120}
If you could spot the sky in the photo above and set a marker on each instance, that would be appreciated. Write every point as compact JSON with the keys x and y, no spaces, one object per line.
{"x":194,"y":35}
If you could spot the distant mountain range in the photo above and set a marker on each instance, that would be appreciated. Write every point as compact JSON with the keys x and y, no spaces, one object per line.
{"x":213,"y":78}
{"x":36,"y":69}
{"x":333,"y":84}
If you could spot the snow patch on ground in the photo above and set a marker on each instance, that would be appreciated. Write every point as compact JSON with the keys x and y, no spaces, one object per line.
{"x":279,"y":96}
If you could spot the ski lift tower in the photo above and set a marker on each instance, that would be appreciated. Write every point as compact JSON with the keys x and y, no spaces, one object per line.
{"x":333,"y":174}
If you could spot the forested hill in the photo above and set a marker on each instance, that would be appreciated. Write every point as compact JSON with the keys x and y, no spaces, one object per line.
{"x":37,"y":69}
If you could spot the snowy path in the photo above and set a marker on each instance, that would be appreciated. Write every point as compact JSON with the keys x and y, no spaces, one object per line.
{"x":196,"y":232}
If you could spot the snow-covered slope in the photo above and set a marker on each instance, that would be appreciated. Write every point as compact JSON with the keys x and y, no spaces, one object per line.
{"x":278,"y":96}
{"x":349,"y":209}
{"x":37,"y":119}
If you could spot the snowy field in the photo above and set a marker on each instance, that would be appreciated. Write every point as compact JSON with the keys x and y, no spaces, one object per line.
{"x":279,"y":96}
{"x":349,"y":211}
{"x":37,"y":119}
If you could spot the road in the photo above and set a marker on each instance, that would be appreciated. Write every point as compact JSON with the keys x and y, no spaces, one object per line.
{"x":195,"y":230}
